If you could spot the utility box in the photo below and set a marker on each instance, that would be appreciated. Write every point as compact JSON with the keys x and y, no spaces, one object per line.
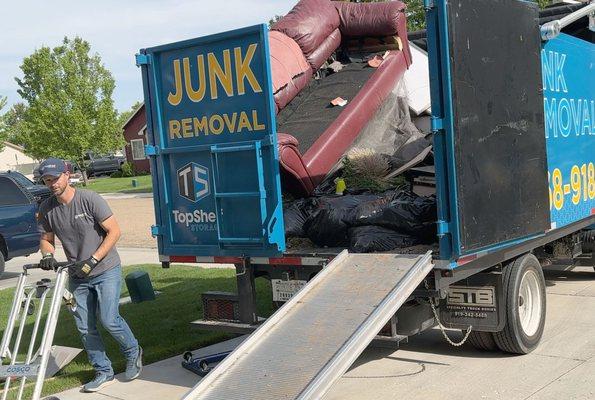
{"x":139,"y":286}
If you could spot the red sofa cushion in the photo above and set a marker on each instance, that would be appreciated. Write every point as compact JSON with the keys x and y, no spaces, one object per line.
{"x":295,"y":176}
{"x":309,"y":23}
{"x":289,"y":69}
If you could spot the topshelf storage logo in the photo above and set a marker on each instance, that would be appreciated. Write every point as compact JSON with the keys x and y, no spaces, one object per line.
{"x":193,"y":182}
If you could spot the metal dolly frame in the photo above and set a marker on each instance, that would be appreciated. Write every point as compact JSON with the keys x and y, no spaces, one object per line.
{"x":36,"y":362}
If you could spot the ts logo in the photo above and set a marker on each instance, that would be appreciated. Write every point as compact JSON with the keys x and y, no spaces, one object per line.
{"x":193,"y":182}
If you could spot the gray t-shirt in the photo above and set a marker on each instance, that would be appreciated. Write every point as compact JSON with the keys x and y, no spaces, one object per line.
{"x":77,"y":225}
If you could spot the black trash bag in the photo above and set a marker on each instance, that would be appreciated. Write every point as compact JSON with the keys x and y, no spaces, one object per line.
{"x":368,"y":239}
{"x":401,"y":211}
{"x":328,"y":224}
{"x":295,"y":216}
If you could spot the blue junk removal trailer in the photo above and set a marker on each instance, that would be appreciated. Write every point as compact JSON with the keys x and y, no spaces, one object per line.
{"x":513,"y":121}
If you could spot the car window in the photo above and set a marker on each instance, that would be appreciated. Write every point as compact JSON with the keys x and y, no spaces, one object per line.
{"x":11,"y":194}
{"x":21,"y":179}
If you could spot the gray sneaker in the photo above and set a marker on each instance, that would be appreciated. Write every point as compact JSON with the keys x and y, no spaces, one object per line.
{"x":134,"y":366}
{"x":100,"y":380}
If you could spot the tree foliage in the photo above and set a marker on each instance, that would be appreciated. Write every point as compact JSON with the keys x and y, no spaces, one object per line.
{"x":69,"y":108}
{"x":11,"y":123}
{"x":3,"y":135}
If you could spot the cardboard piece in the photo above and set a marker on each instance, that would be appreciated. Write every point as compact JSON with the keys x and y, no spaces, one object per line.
{"x":417,"y":81}
{"x":60,"y":356}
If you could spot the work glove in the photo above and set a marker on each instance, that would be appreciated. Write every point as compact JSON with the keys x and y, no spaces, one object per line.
{"x":82,"y":269}
{"x":48,"y":262}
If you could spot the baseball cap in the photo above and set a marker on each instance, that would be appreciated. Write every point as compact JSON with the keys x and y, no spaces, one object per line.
{"x":52,"y":167}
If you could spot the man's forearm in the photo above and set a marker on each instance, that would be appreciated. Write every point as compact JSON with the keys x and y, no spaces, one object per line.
{"x":46,"y":247}
{"x":108,"y":243}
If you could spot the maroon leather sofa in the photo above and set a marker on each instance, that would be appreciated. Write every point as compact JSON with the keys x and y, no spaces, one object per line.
{"x":300,"y":43}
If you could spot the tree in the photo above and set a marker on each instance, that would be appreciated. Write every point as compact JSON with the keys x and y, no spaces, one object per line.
{"x":2,"y":130}
{"x":11,"y":123}
{"x":69,"y":110}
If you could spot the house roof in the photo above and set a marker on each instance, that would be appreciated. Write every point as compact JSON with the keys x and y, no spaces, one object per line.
{"x":14,"y":146}
{"x":142,"y":105}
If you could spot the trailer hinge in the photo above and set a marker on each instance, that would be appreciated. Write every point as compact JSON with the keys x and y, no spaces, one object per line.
{"x":156,"y":230}
{"x":151,"y":150}
{"x":142,"y":59}
{"x":437,"y":124}
{"x":443,"y":228}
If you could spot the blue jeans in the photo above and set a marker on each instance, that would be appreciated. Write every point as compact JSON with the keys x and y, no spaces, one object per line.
{"x":100,"y":295}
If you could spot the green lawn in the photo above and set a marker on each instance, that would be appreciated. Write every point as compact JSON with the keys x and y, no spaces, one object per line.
{"x":161,"y":326}
{"x":121,"y":185}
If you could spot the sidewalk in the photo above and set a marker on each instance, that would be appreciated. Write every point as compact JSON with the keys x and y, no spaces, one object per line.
{"x":128,"y":256}
{"x":118,"y":196}
{"x":166,"y":379}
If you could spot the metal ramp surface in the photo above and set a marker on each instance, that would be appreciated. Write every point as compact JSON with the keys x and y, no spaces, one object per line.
{"x":301,"y":350}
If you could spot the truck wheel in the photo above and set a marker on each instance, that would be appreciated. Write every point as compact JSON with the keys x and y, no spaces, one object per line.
{"x":482,"y":340}
{"x":525,"y":302}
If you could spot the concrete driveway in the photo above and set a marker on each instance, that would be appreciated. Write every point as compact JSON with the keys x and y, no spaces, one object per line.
{"x":427,"y":367}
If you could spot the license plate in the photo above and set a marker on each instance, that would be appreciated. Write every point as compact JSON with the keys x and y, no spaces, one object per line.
{"x":284,"y":290}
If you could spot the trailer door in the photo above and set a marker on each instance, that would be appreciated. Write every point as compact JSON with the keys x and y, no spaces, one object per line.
{"x":213,"y":145}
{"x":487,"y":104}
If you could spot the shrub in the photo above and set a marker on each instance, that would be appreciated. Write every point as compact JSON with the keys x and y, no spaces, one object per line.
{"x":127,"y":170}
{"x":117,"y":174}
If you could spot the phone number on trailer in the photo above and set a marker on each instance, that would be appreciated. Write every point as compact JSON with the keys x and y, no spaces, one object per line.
{"x":580,"y":188}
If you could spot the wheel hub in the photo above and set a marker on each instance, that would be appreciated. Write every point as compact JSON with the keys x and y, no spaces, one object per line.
{"x":530,"y":303}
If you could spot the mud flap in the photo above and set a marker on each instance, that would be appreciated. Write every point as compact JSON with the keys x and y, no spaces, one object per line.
{"x":477,"y":301}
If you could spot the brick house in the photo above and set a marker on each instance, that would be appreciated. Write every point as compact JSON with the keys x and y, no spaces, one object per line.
{"x":135,"y":134}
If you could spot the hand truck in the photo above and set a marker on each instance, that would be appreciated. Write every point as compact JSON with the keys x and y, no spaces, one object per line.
{"x":34,"y":364}
{"x":202,"y":365}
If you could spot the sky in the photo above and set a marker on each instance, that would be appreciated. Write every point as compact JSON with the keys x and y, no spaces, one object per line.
{"x":116,"y":31}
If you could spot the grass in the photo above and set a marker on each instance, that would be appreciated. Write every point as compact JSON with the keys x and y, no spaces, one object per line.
{"x":121,"y":185}
{"x":161,"y":326}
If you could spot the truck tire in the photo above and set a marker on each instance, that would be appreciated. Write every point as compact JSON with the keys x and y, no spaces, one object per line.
{"x":482,"y":340}
{"x":525,"y":302}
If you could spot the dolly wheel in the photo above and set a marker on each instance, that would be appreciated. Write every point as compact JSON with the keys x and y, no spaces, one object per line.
{"x":525,"y":302}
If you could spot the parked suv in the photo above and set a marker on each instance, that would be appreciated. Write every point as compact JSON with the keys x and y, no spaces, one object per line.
{"x":19,"y":200}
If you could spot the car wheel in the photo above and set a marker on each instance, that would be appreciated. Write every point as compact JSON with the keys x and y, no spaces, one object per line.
{"x":2,"y":263}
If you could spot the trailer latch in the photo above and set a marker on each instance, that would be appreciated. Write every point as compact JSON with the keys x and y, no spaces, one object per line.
{"x":151,"y":150}
{"x":142,"y":59}
{"x":156,"y":230}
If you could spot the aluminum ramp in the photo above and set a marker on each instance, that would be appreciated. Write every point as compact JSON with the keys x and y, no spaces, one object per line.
{"x":302,"y":349}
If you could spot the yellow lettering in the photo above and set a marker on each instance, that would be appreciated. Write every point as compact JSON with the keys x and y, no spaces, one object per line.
{"x":200,"y":125}
{"x":219,"y":120}
{"x":257,"y":126}
{"x":174,"y":129}
{"x":187,"y":127}
{"x":195,"y":95}
{"x":243,"y":70}
{"x":174,"y":99}
{"x":231,"y":124}
{"x":218,"y":74}
{"x":244,"y":122}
